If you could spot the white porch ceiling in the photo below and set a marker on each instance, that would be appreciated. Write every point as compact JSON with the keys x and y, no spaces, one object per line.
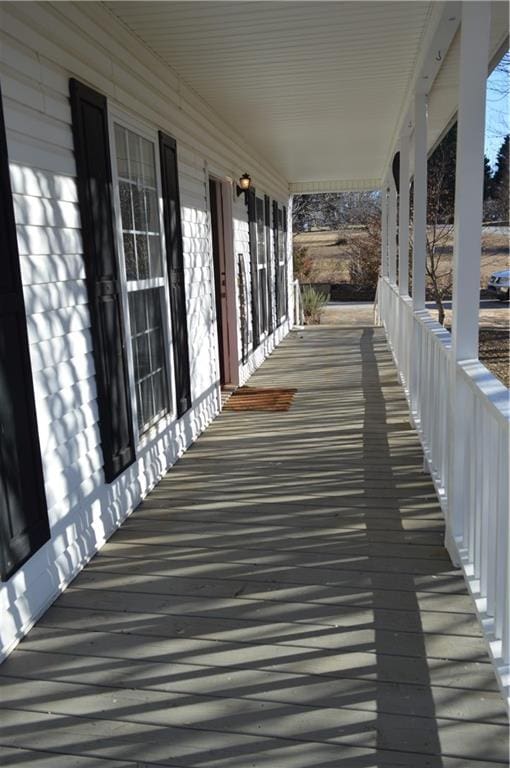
{"x":318,"y":88}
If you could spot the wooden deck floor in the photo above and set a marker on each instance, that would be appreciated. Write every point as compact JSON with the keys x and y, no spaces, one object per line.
{"x":281,"y":600}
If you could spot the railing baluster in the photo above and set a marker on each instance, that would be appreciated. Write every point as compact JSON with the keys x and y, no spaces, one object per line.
{"x":493,"y":488}
{"x":478,"y":444}
{"x":485,"y":512}
{"x":471,"y":500}
{"x":502,"y":602}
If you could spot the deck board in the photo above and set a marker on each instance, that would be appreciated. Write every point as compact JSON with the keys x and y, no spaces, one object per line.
{"x":281,"y":599}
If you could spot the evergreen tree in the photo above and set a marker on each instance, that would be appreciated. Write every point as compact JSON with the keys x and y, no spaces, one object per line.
{"x":487,"y":179}
{"x":441,"y":180}
{"x":500,"y":180}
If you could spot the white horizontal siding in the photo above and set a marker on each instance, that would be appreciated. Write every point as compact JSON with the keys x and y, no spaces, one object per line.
{"x":33,"y":182}
{"x":47,"y":381}
{"x":59,"y":404}
{"x":68,"y":453}
{"x":44,"y":212}
{"x":48,"y":240}
{"x":59,"y":322}
{"x":58,"y":349}
{"x":47,"y":296}
{"x":58,"y":268}
{"x":41,"y":47}
{"x":60,"y":430}
{"x":73,"y":476}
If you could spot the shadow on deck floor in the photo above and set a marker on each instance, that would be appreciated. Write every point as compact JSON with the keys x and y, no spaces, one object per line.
{"x":282,"y":600}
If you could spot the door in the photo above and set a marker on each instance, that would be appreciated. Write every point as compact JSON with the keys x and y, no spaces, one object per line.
{"x":224,"y":280}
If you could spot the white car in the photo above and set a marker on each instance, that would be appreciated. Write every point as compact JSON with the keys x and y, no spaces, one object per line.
{"x":499,"y":283}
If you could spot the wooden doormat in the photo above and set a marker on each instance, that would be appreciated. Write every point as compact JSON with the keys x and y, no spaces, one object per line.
{"x":260,"y":399}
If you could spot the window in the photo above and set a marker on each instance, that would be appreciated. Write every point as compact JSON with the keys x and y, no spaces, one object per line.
{"x":102,"y":271}
{"x":138,"y":201}
{"x":280,"y":246}
{"x":262,"y":266}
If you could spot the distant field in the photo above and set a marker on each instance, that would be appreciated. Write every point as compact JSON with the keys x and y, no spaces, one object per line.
{"x":330,"y":265}
{"x":329,"y":252}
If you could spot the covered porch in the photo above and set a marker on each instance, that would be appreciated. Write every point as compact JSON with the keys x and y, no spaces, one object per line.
{"x":294,"y":593}
{"x":283,"y":598}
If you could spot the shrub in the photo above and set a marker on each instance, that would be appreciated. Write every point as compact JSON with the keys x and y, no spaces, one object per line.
{"x":313,"y":302}
{"x":364,"y":254}
{"x":303,"y":264}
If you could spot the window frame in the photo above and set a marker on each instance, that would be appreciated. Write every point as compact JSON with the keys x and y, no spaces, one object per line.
{"x":150,"y":133}
{"x":282,"y":264}
{"x":261,"y":241}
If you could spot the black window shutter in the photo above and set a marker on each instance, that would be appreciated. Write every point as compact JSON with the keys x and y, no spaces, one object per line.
{"x":23,"y":513}
{"x":92,"y":152}
{"x":175,"y":261}
{"x":277,"y":271}
{"x":252,"y":222}
{"x":267,"y":217}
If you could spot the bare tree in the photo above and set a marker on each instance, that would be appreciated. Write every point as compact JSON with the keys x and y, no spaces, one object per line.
{"x":440,"y":212}
{"x":333,"y":210}
{"x":498,"y":90}
{"x":364,"y":253}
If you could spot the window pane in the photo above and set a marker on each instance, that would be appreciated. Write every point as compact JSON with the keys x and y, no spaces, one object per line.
{"x":137,"y":311}
{"x":148,"y":164}
{"x":130,"y":256}
{"x":159,"y":386}
{"x":126,"y":211}
{"x":121,"y":152}
{"x":149,"y":356}
{"x":155,"y":268}
{"x":156,"y":349}
{"x":145,"y":404}
{"x":142,"y":257}
{"x":143,"y":362}
{"x":135,"y":164}
{"x":139,"y":209}
{"x":151,"y":202}
{"x":153,"y":311}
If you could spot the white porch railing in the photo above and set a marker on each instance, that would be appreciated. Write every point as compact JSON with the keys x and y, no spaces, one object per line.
{"x":461,"y":413}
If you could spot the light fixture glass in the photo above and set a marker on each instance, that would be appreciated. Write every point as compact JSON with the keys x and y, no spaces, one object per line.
{"x":245,"y":182}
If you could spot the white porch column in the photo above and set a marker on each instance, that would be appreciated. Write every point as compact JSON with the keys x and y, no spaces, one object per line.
{"x":384,"y":231}
{"x":403,"y":218}
{"x":420,"y":201}
{"x":473,"y":70}
{"x":392,"y":233}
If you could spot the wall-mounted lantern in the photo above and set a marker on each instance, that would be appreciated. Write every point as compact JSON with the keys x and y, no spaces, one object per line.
{"x":244,"y":185}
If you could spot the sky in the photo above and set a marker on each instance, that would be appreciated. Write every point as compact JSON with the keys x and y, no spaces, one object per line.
{"x":497,"y":114}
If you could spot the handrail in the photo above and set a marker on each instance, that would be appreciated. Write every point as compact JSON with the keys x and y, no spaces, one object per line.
{"x":495,"y":396}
